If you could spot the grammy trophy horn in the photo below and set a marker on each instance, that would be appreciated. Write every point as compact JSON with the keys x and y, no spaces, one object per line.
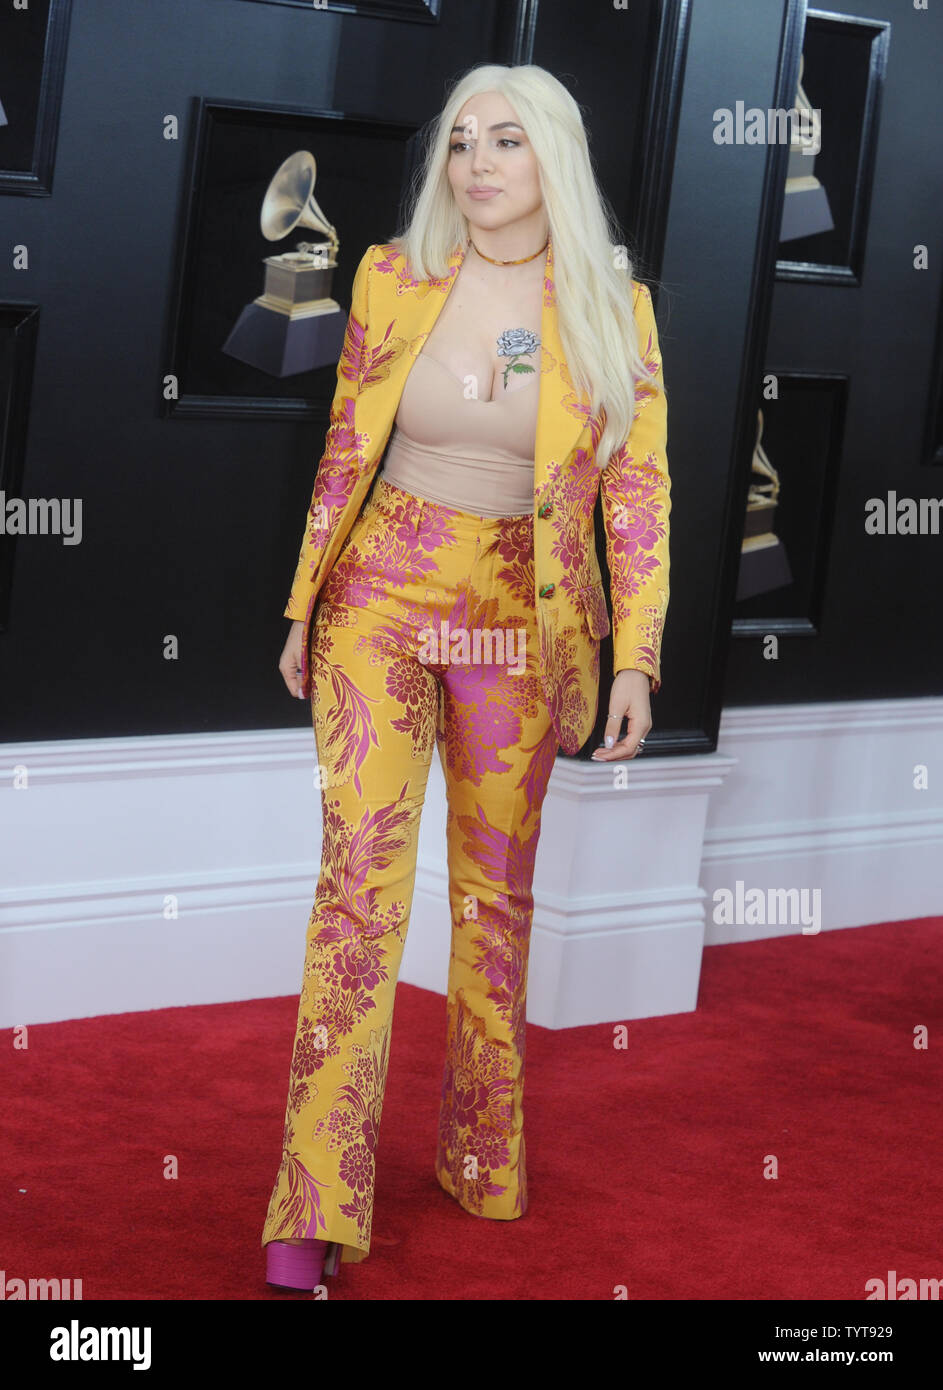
{"x":290,"y":202}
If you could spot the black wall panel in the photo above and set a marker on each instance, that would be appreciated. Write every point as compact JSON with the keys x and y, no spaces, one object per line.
{"x":192,"y":525}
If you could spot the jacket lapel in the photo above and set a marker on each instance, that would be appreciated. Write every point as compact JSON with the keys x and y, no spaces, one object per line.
{"x":406,"y":312}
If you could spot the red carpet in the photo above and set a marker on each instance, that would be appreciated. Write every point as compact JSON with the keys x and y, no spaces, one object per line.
{"x":645,"y":1166}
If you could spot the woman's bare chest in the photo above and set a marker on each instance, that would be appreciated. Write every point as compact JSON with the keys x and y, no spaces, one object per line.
{"x":491,"y":337}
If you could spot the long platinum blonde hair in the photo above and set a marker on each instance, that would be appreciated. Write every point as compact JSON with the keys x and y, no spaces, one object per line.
{"x":591,"y":267}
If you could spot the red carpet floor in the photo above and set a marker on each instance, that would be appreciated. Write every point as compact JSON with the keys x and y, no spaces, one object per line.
{"x":645,"y":1166}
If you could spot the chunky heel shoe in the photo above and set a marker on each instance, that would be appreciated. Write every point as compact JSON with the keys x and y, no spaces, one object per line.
{"x":296,"y":1266}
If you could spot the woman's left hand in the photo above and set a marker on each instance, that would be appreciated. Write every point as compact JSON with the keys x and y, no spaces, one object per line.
{"x":629,"y":697}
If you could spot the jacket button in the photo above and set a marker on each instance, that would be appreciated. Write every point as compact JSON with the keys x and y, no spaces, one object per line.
{"x":545,"y":509}
{"x":546,"y":590}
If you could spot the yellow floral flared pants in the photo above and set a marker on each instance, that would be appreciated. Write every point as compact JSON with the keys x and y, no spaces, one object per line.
{"x":425,"y":634}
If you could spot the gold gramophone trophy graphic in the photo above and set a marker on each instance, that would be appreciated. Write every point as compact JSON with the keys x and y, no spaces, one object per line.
{"x":763,"y":561}
{"x":805,"y":207}
{"x":294,"y":325}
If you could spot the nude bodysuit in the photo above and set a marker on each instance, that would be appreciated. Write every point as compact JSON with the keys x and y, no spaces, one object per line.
{"x":475,"y":455}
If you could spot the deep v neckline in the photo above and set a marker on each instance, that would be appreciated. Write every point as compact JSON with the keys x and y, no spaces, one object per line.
{"x":495,"y":400}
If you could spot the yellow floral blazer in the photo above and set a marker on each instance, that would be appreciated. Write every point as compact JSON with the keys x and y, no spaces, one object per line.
{"x":390,"y":318}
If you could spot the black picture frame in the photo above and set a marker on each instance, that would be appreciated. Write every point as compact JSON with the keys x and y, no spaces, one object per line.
{"x":844,"y":72}
{"x":803,"y":433}
{"x":19,"y":330}
{"x":33,"y":44}
{"x":364,"y":165}
{"x":626,"y":70}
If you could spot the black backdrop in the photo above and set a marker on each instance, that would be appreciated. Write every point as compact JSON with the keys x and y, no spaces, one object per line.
{"x":192,"y":525}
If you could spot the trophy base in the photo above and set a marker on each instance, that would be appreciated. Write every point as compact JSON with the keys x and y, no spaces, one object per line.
{"x":283,"y":345}
{"x":805,"y":210}
{"x":763,"y":566}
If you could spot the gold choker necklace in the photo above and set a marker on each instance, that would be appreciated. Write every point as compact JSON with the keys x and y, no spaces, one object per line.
{"x":522,"y":261}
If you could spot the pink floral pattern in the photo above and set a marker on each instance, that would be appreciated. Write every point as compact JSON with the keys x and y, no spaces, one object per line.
{"x":372,"y":577}
{"x":392,"y":312}
{"x":406,"y":568}
{"x":389,"y":261}
{"x":636,"y":501}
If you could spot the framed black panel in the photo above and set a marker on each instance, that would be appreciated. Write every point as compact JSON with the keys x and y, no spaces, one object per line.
{"x":361,"y":170}
{"x":19,"y":326}
{"x":791,"y":506}
{"x":625,"y":68}
{"x":33,"y":44}
{"x":844,"y":62}
{"x":875,"y":587}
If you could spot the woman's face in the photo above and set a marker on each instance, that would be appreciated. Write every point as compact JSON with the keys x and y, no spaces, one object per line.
{"x":503,"y":159}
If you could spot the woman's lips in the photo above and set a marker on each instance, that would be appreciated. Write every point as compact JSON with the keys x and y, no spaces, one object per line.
{"x":482,"y":193}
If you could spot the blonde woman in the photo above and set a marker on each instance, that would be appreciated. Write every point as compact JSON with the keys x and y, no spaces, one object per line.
{"x":500,"y":369}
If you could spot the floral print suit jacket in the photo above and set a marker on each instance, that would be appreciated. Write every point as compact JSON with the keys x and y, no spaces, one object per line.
{"x":390,"y":318}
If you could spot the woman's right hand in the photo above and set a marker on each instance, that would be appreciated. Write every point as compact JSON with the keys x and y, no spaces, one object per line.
{"x":290,"y":661}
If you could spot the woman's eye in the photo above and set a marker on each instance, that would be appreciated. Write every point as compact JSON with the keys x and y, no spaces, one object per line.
{"x":505,"y":140}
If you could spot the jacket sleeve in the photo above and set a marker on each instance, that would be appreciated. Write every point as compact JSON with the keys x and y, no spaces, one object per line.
{"x":334,"y":477}
{"x":635,"y":490}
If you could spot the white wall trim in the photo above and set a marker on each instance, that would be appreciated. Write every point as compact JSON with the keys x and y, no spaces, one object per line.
{"x":229,"y":823}
{"x":837,"y":716}
{"x":162,"y":755}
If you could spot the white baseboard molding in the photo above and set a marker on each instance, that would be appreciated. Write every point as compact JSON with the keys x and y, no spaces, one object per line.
{"x":827,"y":797}
{"x":112,"y":836}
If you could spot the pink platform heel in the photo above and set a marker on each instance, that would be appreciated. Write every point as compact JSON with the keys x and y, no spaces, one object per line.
{"x":300,"y":1267}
